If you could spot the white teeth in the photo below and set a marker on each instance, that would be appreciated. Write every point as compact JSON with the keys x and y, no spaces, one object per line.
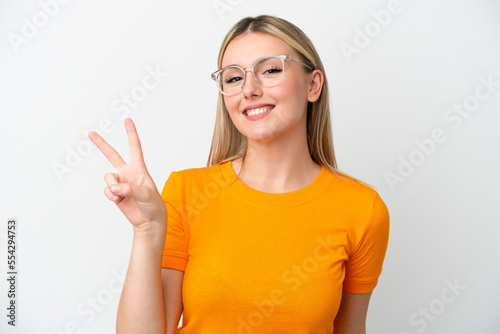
{"x":258,"y":111}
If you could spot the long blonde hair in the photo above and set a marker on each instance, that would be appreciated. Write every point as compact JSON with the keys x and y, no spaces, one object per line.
{"x":229,"y":144}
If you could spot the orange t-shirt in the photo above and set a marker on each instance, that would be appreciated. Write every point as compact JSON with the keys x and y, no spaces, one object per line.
{"x":257,"y":262}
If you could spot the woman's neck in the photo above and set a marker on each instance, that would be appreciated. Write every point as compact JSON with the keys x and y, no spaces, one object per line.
{"x":277,"y":175}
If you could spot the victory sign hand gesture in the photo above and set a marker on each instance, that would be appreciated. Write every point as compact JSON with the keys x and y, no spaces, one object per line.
{"x":131,"y":188}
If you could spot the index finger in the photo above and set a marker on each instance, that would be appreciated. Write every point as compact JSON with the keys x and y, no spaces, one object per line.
{"x":133,"y":142}
{"x":106,"y":149}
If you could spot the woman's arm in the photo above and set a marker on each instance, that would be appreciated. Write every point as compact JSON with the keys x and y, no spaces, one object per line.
{"x":134,"y":192}
{"x":141,"y":308}
{"x":172,"y":297}
{"x":351,"y":317}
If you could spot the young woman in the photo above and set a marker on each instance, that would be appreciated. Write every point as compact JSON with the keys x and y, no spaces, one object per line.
{"x":270,"y":237}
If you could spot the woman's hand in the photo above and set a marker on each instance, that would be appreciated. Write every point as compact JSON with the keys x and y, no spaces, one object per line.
{"x":132,"y":189}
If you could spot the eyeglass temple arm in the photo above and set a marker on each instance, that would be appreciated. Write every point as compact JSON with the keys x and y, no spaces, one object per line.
{"x":298,"y":61}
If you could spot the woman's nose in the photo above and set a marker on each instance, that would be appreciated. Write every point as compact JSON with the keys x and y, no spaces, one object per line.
{"x":251,"y":86}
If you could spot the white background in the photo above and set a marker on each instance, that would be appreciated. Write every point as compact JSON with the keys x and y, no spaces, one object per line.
{"x":63,"y":80}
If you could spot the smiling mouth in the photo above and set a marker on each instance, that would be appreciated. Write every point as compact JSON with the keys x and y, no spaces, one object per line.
{"x":256,"y":111}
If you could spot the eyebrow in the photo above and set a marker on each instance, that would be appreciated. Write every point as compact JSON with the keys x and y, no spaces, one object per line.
{"x":232,"y":65}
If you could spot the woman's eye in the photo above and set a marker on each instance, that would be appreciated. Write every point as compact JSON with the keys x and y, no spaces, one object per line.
{"x":233,"y":80}
{"x":272,"y":71}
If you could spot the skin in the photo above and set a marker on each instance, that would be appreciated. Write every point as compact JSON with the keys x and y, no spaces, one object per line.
{"x":278,"y":158}
{"x":351,"y":316}
{"x":277,"y":161}
{"x":141,"y":308}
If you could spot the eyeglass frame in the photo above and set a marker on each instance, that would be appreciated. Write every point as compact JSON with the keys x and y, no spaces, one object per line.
{"x":281,"y":57}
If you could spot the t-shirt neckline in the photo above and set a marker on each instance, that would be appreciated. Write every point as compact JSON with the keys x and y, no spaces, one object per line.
{"x":296,"y":197}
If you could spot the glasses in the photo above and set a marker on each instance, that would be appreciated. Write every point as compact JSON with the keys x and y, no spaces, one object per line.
{"x":267,"y":71}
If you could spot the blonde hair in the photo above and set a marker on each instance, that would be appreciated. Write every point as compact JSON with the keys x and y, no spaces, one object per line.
{"x":229,"y":144}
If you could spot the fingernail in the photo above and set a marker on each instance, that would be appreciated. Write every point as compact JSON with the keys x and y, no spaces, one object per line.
{"x":115,"y":188}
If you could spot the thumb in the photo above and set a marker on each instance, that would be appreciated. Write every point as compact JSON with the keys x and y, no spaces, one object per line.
{"x":140,"y":193}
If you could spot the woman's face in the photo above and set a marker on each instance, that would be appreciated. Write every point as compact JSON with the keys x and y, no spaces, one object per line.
{"x":287,"y":100}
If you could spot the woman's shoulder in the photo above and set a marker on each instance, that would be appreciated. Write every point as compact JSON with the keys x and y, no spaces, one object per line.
{"x":193,"y":175}
{"x":353,"y":189}
{"x":360,"y":199}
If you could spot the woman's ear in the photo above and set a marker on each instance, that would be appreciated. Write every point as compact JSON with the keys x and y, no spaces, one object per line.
{"x":315,"y":85}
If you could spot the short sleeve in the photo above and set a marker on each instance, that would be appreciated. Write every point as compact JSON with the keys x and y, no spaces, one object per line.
{"x":364,"y":265}
{"x":176,"y":243}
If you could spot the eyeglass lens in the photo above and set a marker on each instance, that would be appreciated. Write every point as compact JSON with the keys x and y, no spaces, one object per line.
{"x":268,"y":72}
